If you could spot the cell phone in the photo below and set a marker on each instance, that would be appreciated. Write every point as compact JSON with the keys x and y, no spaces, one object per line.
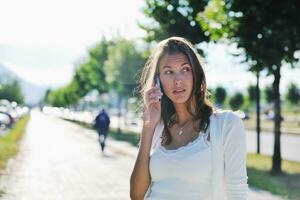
{"x":157,"y":83}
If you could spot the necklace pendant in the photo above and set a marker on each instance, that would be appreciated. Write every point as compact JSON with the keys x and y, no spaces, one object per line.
{"x":180,"y":132}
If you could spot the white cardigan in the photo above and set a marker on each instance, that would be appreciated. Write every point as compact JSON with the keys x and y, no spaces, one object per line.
{"x":228,"y":142}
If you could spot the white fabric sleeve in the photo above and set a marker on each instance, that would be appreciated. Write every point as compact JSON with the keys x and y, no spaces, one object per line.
{"x":156,"y":136}
{"x":235,"y":156}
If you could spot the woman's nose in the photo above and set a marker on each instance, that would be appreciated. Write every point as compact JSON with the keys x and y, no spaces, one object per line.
{"x":178,"y":80}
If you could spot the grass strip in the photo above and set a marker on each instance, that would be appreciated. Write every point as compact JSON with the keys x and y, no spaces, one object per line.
{"x":286,"y":184}
{"x":9,"y":143}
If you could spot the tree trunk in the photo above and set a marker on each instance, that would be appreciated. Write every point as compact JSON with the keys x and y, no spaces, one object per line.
{"x":258,"y":113}
{"x":119,"y":113}
{"x":126,"y":111}
{"x":276,"y":164}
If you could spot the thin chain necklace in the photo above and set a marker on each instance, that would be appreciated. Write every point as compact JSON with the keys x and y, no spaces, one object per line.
{"x":184,"y":125}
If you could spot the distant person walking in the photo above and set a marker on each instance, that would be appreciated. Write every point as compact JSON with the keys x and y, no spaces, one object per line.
{"x":102,"y":122}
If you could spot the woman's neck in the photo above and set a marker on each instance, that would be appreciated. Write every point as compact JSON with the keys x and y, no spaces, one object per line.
{"x":182,"y":114}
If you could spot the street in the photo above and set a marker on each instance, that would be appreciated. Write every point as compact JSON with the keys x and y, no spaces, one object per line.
{"x":290,"y":144}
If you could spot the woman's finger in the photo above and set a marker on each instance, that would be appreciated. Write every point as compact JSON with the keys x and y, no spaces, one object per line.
{"x":155,"y":93}
{"x":154,"y":96}
{"x":153,"y":100}
{"x":152,"y":92}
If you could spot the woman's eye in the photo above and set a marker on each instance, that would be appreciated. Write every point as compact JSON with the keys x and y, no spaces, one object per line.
{"x":187,"y":69}
{"x":168,"y":72}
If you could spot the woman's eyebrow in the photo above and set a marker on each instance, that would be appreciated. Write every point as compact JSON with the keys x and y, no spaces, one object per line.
{"x":166,"y":66}
{"x":185,"y":64}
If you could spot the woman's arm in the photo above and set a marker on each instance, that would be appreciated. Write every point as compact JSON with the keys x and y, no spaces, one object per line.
{"x":140,"y":177}
{"x":235,"y":158}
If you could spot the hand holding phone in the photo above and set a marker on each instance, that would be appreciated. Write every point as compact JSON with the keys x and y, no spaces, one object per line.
{"x":157,"y":83}
{"x":152,"y":106}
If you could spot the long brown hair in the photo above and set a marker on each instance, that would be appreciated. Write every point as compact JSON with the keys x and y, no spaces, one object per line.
{"x":204,"y":107}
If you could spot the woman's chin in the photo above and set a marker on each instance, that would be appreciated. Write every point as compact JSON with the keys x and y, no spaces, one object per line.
{"x":180,"y":100}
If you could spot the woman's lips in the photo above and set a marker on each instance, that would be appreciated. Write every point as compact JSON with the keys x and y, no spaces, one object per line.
{"x":179,"y":91}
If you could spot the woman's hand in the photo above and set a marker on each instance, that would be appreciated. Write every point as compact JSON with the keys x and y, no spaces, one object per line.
{"x":152,"y":106}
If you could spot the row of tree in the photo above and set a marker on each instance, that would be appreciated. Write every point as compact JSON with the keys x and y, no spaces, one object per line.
{"x":237,"y":100}
{"x":11,"y":91}
{"x":109,"y":65}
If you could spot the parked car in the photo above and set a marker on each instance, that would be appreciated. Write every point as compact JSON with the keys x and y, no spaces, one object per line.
{"x":11,"y":112}
{"x":7,"y":107}
{"x":270,"y":116}
{"x":6,"y":119}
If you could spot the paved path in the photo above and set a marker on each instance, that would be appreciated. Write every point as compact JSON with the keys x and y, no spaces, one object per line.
{"x":59,"y":160}
{"x":62,"y":161}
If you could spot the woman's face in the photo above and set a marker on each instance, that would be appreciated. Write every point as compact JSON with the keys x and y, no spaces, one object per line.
{"x":176,"y":76}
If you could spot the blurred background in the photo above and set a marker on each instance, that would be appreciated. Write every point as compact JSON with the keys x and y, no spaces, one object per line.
{"x":69,"y":59}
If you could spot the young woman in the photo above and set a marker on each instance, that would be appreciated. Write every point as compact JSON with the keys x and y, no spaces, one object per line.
{"x":187,"y":149}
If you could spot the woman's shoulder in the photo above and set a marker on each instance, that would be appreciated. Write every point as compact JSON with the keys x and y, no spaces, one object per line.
{"x":226,"y":119}
{"x":226,"y":114}
{"x":229,"y":124}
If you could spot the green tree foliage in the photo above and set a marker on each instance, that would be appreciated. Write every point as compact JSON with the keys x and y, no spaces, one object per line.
{"x":252,"y":93}
{"x":122,"y":65}
{"x":293,"y":94}
{"x":268,"y":92}
{"x":67,"y":95}
{"x":108,"y":65}
{"x":11,"y":91}
{"x":174,"y":18}
{"x":220,"y":96}
{"x":268,"y":32}
{"x":88,"y":75}
{"x":236,"y":101}
{"x":215,"y":22}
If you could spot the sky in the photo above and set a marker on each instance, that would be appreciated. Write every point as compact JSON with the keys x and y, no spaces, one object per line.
{"x":40,"y":40}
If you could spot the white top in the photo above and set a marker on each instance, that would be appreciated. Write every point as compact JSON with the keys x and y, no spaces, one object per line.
{"x":183,"y":173}
{"x":228,"y":159}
